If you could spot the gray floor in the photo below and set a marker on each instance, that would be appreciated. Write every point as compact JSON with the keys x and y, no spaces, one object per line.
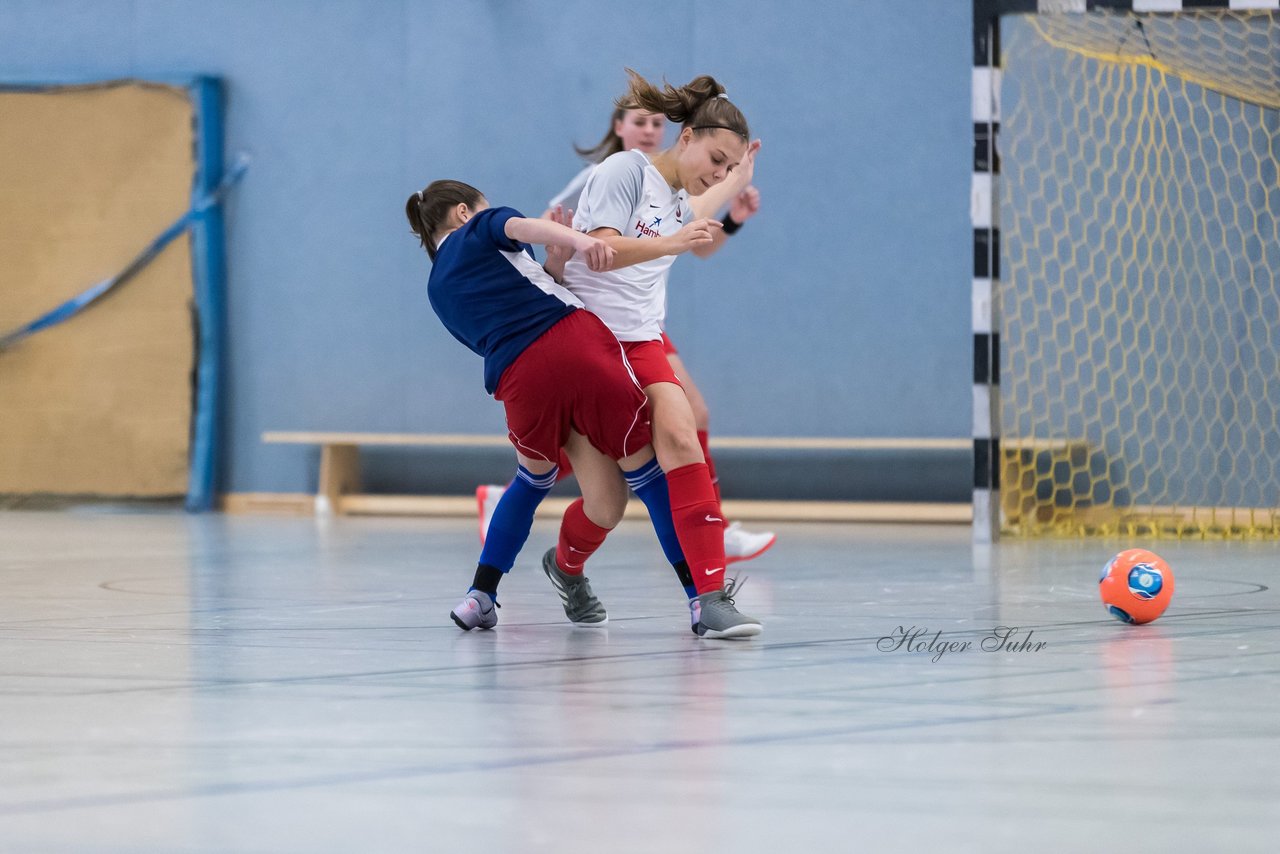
{"x":174,"y":683}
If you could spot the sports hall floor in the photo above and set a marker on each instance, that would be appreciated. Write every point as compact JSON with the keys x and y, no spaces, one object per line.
{"x":275,"y":684}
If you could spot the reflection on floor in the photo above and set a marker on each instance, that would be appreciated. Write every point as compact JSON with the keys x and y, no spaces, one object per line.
{"x":223,"y":683}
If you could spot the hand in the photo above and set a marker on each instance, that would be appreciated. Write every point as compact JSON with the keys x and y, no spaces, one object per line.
{"x":745,"y":205}
{"x":597,"y":253}
{"x":558,"y":255}
{"x":695,"y":234}
{"x":746,"y":168}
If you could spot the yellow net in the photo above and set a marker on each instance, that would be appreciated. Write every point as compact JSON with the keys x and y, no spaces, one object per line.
{"x":1140,"y":312}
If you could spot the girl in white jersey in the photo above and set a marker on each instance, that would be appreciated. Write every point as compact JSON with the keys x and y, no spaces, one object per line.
{"x":642,"y":208}
{"x":643,"y":131}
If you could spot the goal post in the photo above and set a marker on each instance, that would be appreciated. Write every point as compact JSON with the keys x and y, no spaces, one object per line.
{"x":1126,"y":308}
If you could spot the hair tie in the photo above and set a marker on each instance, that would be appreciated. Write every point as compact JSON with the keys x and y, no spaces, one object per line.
{"x":724,"y":95}
{"x":420,"y":199}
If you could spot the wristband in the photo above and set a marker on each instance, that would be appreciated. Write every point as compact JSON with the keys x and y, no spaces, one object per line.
{"x":731,"y":225}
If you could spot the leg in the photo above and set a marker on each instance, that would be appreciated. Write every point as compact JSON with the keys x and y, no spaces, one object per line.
{"x":696,"y":514}
{"x":701,"y":415}
{"x":508,"y":530}
{"x":583,"y":529}
{"x":675,"y":437}
{"x":513,"y":517}
{"x":694,"y":508}
{"x":589,"y":520}
{"x":739,"y":543}
{"x":604,"y":493}
{"x":489,"y":494}
{"x":646,"y":479}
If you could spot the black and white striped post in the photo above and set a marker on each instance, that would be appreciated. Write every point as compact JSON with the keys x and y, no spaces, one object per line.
{"x":984,"y":210}
{"x":986,"y":270}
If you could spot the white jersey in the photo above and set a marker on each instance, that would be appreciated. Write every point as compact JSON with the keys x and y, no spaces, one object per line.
{"x":627,"y":193}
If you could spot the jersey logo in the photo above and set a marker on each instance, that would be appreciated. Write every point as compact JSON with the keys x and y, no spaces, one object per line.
{"x":647,"y":230}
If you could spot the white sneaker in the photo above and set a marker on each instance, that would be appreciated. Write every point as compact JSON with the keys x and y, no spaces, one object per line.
{"x":695,"y":613}
{"x":477,"y":610}
{"x":741,"y":544}
{"x":487,"y":498}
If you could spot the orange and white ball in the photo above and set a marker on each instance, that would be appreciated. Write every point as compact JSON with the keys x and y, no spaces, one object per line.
{"x":1136,"y":586}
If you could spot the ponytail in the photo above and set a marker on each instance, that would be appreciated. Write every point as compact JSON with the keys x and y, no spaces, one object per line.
{"x":428,"y":210}
{"x":700,"y":104}
{"x":610,"y":144}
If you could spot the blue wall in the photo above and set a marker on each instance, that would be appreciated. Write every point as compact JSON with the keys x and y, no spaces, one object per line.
{"x":841,"y":310}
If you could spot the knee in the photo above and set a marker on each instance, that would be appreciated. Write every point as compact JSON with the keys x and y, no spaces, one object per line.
{"x":605,"y":511}
{"x":680,"y":446}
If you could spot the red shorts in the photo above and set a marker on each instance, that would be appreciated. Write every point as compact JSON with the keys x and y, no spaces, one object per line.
{"x":649,"y":362}
{"x":574,"y":377}
{"x":668,"y":347}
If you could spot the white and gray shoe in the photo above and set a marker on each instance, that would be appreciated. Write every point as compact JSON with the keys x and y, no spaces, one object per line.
{"x":580,"y":604}
{"x":719,"y":619}
{"x":477,"y":610}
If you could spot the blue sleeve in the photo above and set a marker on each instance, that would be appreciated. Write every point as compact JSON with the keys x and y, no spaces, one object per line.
{"x":492,"y":224}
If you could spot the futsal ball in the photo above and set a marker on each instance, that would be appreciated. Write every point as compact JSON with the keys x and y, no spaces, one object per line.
{"x":1136,"y":586}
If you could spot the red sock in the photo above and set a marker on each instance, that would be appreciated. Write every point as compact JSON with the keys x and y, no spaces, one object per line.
{"x":699,"y":525}
{"x":579,"y":539}
{"x":711,"y":467}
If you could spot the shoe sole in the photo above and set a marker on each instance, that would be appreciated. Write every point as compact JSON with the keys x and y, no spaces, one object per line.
{"x":464,"y":626}
{"x":728,"y":560}
{"x":745,"y":630}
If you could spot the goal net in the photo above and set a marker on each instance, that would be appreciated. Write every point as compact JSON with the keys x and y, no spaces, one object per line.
{"x":1139,"y":302}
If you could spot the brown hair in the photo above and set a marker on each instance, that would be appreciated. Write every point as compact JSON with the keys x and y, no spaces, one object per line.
{"x":610,"y":144}
{"x":700,"y":104}
{"x":428,"y":209}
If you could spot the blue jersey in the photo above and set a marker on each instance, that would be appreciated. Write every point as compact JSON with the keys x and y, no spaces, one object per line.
{"x":491,"y":294}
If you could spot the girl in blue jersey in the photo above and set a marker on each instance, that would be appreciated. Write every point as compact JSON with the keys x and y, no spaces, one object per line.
{"x":561,"y":375}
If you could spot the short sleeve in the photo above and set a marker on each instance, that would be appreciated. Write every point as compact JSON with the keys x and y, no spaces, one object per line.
{"x":492,"y":225}
{"x":612,"y":193}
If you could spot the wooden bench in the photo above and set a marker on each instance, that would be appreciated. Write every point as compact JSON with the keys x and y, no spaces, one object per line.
{"x":339,"y":489}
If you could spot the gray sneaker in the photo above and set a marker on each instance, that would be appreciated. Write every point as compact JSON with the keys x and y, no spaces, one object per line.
{"x":580,"y":605}
{"x":477,"y":610}
{"x":719,"y":619}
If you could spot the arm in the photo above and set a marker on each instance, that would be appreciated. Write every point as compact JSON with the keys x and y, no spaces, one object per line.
{"x":745,"y":205}
{"x":712,"y":201}
{"x":597,"y":253}
{"x":636,"y":250}
{"x":558,"y":256}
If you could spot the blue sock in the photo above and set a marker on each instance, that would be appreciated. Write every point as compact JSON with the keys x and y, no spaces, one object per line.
{"x":513,"y":517}
{"x":650,"y":486}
